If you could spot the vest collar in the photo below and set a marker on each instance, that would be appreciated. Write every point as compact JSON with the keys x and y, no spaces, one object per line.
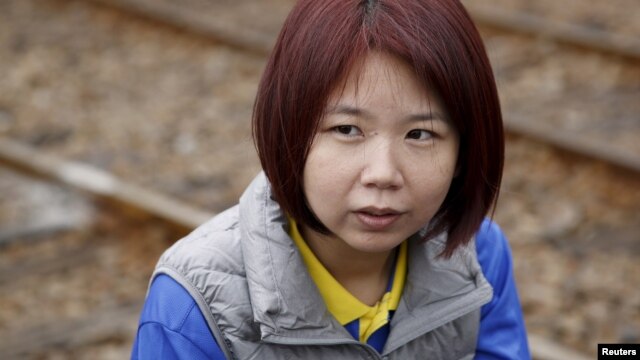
{"x":437,"y":290}
{"x":289,"y":309}
{"x":286,"y":303}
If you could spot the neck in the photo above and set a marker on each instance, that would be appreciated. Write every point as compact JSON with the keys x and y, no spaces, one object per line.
{"x":364,"y":274}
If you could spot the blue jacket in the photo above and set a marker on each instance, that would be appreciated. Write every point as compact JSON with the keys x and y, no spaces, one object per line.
{"x":173,"y":327}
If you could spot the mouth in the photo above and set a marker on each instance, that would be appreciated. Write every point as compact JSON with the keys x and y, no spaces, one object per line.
{"x":372,"y":210}
{"x":377,"y":218}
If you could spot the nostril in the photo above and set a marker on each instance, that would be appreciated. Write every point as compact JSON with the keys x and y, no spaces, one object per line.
{"x":381,"y":174}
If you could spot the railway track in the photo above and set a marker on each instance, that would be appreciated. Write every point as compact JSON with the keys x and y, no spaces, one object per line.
{"x":223,"y":21}
{"x":77,"y":291}
{"x":133,"y":221}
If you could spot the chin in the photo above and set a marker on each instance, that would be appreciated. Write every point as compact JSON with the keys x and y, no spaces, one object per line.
{"x":376,"y":244}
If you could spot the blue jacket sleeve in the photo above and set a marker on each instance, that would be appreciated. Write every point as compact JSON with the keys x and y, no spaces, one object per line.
{"x":502,"y":333}
{"x":172,"y":326}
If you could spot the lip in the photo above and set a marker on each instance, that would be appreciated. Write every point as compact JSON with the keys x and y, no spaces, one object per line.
{"x":377,"y":218}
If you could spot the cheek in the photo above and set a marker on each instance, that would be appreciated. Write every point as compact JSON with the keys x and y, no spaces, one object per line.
{"x":327,"y":167}
{"x":319,"y":178}
{"x":318,"y":185}
{"x":328,"y":179}
{"x":431,"y":191}
{"x":431,"y":182}
{"x":445,"y":164}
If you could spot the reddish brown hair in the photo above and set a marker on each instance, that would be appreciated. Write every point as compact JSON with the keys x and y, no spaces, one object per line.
{"x":320,"y":43}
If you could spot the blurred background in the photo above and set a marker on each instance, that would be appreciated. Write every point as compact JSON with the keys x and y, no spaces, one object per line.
{"x":125,"y":123}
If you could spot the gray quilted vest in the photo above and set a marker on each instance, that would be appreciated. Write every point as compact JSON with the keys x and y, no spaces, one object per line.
{"x":250,"y":282}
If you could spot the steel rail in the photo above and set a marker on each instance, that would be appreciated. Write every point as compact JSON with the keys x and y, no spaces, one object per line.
{"x":216,"y":27}
{"x":254,"y":40}
{"x":102,"y":185}
{"x":577,"y":35}
{"x":576,"y":145}
{"x":210,"y":26}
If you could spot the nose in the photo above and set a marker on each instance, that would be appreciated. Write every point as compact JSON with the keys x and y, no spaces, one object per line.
{"x":381,"y":167}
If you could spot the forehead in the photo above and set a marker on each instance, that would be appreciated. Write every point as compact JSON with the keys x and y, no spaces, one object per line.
{"x":381,"y":79}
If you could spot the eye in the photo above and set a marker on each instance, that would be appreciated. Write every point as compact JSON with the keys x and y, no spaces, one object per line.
{"x":348,"y":130}
{"x":419,"y":134}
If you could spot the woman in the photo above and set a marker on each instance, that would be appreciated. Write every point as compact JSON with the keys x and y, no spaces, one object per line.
{"x":379,"y":131}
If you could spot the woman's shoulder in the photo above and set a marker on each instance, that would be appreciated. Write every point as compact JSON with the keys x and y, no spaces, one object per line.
{"x":490,"y":240}
{"x":212,"y":247}
{"x":502,"y":331}
{"x":171,"y":317}
{"x":221,"y":231}
{"x":494,"y":253}
{"x":215,"y":229}
{"x":208,"y":263}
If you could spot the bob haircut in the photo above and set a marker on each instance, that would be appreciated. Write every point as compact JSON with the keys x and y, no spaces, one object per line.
{"x":322,"y":41}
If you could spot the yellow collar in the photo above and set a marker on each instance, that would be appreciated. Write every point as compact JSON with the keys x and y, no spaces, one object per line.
{"x":341,"y":303}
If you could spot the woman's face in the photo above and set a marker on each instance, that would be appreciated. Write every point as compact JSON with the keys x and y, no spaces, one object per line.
{"x":382,"y":161}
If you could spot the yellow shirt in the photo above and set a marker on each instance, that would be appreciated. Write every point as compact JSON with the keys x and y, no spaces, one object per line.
{"x":341,"y":303}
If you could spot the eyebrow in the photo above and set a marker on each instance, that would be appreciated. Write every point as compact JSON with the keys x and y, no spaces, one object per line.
{"x":355,"y":111}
